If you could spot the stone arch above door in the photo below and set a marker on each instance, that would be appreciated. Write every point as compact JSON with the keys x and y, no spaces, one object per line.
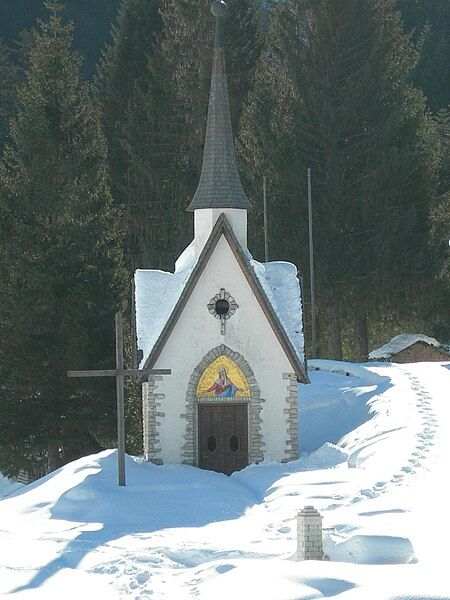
{"x":189,"y":451}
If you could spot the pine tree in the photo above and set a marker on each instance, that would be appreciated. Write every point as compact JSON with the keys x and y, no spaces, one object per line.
{"x":430,"y":23}
{"x":92,"y":21}
{"x":60,"y":262}
{"x":122,"y":64}
{"x":8,"y":82}
{"x":336,"y":76}
{"x":142,"y":126}
{"x":153,"y":83}
{"x":438,"y":294}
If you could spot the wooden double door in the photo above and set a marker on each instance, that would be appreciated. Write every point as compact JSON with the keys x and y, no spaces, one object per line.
{"x":223,"y":437}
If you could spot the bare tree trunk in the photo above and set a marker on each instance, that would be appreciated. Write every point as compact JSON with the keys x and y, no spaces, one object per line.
{"x":362,"y":338}
{"x":334,"y":331}
{"x":54,"y":460}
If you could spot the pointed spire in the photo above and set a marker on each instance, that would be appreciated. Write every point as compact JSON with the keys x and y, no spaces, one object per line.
{"x":220,"y":185}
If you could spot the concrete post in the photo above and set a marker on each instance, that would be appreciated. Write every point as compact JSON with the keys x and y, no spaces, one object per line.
{"x":309,"y":534}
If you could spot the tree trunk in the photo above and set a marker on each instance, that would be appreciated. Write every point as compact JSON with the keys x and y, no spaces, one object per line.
{"x":334,"y":331}
{"x":362,"y":339}
{"x":54,"y":460}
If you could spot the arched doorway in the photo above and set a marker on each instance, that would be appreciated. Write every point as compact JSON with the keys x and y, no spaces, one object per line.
{"x":223,"y":406}
{"x":222,"y":397}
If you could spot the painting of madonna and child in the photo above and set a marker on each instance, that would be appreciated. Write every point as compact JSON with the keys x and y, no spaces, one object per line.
{"x":222,"y":379}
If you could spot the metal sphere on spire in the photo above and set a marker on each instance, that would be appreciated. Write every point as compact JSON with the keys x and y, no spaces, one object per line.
{"x":218,"y":8}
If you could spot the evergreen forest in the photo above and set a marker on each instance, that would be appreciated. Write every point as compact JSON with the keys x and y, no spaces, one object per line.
{"x":102,"y":118}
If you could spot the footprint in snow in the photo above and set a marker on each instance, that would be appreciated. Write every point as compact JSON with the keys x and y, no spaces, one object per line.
{"x":221,"y":569}
{"x":284,"y":530}
{"x":408,"y":469}
{"x":368,"y":493}
{"x":142,"y":578}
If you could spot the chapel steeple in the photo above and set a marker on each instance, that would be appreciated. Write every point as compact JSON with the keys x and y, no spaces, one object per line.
{"x":220,"y":185}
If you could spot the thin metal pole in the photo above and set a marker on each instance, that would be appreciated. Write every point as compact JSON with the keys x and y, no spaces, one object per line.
{"x":266,"y":227}
{"x":120,"y":400}
{"x":311,"y":271}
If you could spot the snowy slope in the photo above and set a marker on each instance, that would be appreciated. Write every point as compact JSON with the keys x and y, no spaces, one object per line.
{"x":179,"y":533}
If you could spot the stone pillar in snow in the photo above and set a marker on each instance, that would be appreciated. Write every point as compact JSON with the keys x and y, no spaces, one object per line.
{"x":309,"y":534}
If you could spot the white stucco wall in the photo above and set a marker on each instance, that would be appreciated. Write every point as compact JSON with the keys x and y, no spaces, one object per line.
{"x":205,"y":219}
{"x":247,"y":332}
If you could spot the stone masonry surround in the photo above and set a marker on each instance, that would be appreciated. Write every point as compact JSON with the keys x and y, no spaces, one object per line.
{"x":151,"y":410}
{"x":189,"y":452}
{"x":291,"y":451}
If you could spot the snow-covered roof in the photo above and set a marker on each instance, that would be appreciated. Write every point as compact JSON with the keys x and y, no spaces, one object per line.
{"x":157,"y":293}
{"x":401,"y":342}
{"x":279,"y":280}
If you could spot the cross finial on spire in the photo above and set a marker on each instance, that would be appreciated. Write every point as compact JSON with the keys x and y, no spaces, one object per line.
{"x":220,"y":185}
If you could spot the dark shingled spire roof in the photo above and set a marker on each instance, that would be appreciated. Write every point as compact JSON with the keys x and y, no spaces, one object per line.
{"x":220,"y":185}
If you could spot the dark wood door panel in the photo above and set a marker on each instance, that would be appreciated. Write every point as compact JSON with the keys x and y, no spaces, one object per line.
{"x":240,"y":444}
{"x":223,"y":437}
{"x":211,"y":438}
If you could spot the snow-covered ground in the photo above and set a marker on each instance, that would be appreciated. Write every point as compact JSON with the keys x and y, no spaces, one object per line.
{"x":179,"y":533}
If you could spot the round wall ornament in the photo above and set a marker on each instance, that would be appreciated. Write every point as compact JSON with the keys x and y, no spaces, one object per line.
{"x":222,"y":306}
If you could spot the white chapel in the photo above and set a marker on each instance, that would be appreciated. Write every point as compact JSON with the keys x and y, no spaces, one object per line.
{"x":229,"y":328}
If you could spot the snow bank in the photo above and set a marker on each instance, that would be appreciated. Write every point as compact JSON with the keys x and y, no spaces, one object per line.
{"x":373,"y":550}
{"x":401,"y":342}
{"x":278,"y":580}
{"x":86,"y":490}
{"x":260,"y":478}
{"x":360,"y":370}
{"x":70,"y":585}
{"x":334,"y":404}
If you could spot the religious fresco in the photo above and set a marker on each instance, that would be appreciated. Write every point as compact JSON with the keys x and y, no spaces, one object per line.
{"x":222,"y":379}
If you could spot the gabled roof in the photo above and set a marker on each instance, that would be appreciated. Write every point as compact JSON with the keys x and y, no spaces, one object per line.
{"x":220,"y":185}
{"x":223,"y":228}
{"x":401,"y":342}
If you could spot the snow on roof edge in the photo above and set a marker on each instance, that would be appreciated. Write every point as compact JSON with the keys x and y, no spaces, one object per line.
{"x":282,"y":288}
{"x":156,"y":294}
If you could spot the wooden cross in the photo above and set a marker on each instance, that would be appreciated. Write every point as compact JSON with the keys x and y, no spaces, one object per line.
{"x":119,"y":373}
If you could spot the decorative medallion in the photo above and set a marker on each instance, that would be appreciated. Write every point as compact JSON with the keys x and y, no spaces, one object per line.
{"x":222,"y":379}
{"x":222,"y":306}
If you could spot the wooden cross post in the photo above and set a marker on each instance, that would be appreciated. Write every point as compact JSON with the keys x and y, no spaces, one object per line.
{"x":119,"y":373}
